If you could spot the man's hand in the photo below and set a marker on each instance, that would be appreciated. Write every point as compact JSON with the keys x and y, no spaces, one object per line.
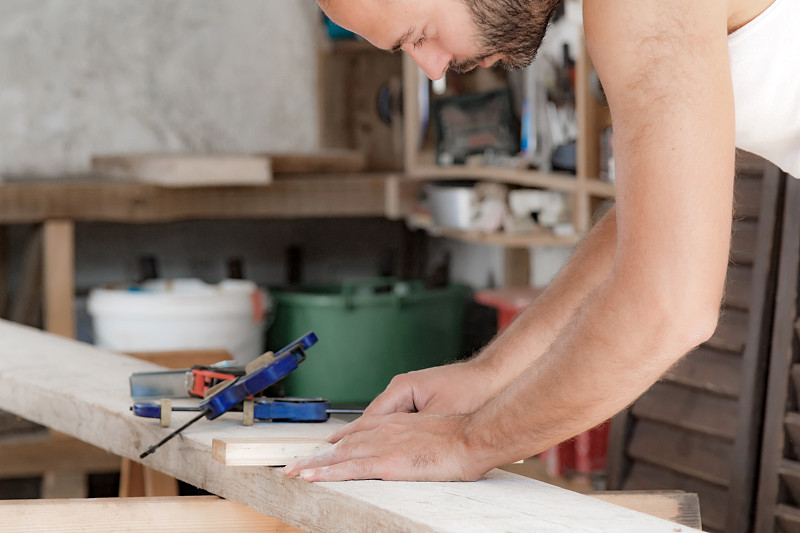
{"x":400,"y":446}
{"x":445,"y":390}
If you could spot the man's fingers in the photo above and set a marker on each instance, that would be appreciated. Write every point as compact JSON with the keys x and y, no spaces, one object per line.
{"x":364,"y":423}
{"x":342,"y":451}
{"x":397,"y":398}
{"x":355,"y":469}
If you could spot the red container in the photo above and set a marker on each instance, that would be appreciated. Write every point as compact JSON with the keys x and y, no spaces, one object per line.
{"x":585,"y":453}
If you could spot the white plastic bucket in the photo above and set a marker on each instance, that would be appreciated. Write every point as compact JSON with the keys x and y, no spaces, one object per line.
{"x":182,"y":314}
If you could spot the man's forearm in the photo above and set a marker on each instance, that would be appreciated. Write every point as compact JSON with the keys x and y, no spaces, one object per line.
{"x":533,"y":332}
{"x":616,"y":346}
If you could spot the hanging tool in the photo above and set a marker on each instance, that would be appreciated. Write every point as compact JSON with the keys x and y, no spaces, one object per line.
{"x":274,"y":409}
{"x":232,"y":393}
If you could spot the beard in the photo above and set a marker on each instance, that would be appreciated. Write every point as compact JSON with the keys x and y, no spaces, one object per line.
{"x":512,"y":28}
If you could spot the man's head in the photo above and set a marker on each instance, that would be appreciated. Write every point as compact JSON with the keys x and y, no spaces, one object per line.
{"x":449,"y":34}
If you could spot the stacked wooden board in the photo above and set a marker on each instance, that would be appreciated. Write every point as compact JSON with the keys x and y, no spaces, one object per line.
{"x":698,"y":429}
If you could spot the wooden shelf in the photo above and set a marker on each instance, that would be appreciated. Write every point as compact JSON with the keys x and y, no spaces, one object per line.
{"x":602,"y":189}
{"x":542,"y":237}
{"x":355,"y":194}
{"x":530,"y":178}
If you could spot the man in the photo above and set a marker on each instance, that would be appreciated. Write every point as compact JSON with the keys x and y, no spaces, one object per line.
{"x":645,"y":285}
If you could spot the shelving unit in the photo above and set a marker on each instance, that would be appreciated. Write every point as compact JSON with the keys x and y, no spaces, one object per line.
{"x":585,"y":187}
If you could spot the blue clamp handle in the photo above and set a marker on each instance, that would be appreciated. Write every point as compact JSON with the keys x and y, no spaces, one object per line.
{"x":277,"y":410}
{"x":286,"y":361}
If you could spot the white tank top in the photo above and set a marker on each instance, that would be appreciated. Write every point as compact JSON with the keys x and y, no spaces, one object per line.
{"x":765,"y":66}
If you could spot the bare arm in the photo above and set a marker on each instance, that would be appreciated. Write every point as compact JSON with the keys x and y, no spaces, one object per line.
{"x":664,"y":65}
{"x":464,"y":387}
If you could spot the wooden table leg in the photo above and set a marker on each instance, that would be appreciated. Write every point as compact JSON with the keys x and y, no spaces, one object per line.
{"x":59,"y":277}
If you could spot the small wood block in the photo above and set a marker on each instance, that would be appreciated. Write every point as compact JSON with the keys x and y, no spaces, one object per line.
{"x":261,"y":452}
{"x":248,"y":412}
{"x":166,"y":412}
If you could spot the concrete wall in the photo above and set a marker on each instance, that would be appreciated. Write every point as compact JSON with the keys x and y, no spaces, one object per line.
{"x":79,"y":77}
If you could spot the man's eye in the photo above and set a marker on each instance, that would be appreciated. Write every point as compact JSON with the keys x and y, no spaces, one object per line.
{"x":419,"y":41}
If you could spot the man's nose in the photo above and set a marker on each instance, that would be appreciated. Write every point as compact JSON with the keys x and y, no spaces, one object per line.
{"x":431,"y":59}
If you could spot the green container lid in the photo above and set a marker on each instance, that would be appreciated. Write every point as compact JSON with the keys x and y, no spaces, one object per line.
{"x":369,"y":331}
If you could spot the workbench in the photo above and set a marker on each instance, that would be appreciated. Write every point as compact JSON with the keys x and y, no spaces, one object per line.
{"x":83,"y":391}
{"x":58,"y":204}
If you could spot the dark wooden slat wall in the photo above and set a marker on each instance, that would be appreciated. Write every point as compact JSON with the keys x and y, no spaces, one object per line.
{"x":696,"y":429}
{"x":779,"y":476}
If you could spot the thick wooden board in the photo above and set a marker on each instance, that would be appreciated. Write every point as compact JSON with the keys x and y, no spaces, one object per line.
{"x":187,"y":170}
{"x":258,"y":452}
{"x":198,"y":514}
{"x":83,"y":391}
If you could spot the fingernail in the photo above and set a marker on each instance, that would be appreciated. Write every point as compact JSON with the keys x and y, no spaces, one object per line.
{"x":307,"y":474}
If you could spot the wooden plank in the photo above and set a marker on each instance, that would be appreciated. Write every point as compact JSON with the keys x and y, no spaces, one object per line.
{"x":789,"y":472}
{"x":677,"y":506}
{"x":747,"y":194}
{"x":682,"y":451}
{"x":186,"y":170}
{"x":259,"y":452}
{"x":712,"y":497}
{"x":731,"y":333}
{"x":691,"y":410}
{"x":198,"y":514}
{"x":743,"y":242}
{"x":58,"y":263}
{"x":710,"y":371}
{"x":738,"y":287}
{"x":94,"y":406}
{"x":322,"y":161}
{"x":756,"y":354}
{"x":788,"y":517}
{"x":791,"y":423}
{"x":782,"y":357}
{"x":341,"y":195}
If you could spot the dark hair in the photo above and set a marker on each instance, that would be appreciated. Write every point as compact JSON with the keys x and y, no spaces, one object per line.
{"x":513,"y":28}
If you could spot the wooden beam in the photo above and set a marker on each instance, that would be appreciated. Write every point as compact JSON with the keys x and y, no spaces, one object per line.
{"x":82,"y":390}
{"x":198,"y":514}
{"x":58,"y":261}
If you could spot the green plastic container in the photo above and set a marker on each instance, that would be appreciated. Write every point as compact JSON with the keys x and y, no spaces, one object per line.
{"x":369,"y":331}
